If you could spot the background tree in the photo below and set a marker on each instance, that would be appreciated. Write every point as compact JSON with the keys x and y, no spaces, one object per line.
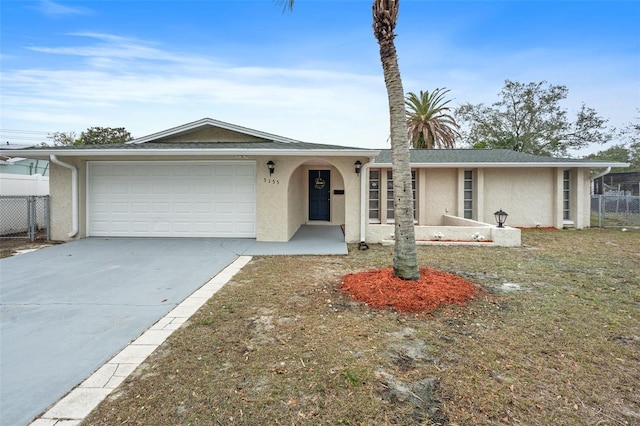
{"x":429,"y":124}
{"x":63,"y":138}
{"x":617,"y":153}
{"x":92,"y":136}
{"x":630,"y":134}
{"x":628,"y":151}
{"x":104,"y":135}
{"x":529,"y":118}
{"x":405,"y":257}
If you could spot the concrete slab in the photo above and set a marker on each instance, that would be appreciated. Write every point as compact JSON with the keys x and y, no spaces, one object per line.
{"x":80,"y":401}
{"x":308,"y":240}
{"x":68,"y":309}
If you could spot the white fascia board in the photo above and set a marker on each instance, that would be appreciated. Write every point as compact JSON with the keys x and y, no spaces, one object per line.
{"x":185,"y":128}
{"x":204,"y":151}
{"x":590,"y":165}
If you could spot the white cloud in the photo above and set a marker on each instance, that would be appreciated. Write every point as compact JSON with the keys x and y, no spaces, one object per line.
{"x":53,"y":9}
{"x":111,"y":80}
{"x":118,"y":81}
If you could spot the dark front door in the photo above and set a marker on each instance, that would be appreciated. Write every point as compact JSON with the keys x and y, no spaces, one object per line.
{"x":319,"y":195}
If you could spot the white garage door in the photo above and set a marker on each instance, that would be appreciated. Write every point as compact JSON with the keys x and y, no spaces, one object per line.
{"x":172,"y":199}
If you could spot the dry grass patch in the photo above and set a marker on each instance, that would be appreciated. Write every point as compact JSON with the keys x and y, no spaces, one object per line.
{"x":10,"y":247}
{"x":554,"y":340}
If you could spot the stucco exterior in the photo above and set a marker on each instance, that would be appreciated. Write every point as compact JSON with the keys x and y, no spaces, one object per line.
{"x":281,"y":198}
{"x":532,"y":196}
{"x":457,"y":191}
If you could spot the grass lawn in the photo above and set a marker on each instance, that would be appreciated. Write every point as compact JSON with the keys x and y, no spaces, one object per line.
{"x":555,"y":340}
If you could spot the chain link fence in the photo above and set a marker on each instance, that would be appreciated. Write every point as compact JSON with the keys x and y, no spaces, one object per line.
{"x":615,"y":210}
{"x":24,"y":216}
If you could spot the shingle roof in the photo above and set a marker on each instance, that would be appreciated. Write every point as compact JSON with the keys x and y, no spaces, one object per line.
{"x":477,"y":156}
{"x":266,"y":145}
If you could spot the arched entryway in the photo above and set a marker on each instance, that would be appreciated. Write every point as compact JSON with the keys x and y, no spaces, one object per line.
{"x":316,"y":194}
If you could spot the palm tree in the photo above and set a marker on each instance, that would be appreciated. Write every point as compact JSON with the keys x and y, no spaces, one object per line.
{"x":405,"y":257}
{"x":429,"y":124}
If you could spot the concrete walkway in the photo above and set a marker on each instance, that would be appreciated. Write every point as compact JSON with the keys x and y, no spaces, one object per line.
{"x":309,"y":240}
{"x":66,"y":310}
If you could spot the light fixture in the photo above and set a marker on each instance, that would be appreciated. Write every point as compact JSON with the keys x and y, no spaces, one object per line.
{"x":358,"y":165}
{"x":501,"y":218}
{"x":271,"y":166}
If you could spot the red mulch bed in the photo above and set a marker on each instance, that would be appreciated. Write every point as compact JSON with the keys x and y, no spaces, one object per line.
{"x":380,"y":289}
{"x":538,"y":228}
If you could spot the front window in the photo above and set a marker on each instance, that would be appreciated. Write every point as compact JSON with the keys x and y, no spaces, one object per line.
{"x":381,"y":196}
{"x":374,"y":196}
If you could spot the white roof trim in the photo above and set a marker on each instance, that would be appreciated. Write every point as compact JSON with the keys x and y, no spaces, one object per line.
{"x":591,"y":165}
{"x":185,"y":128}
{"x":44,"y":153}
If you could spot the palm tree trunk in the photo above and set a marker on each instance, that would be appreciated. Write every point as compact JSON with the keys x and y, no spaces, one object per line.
{"x":405,"y":258}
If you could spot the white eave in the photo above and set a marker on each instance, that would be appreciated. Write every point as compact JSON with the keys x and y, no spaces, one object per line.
{"x":567,"y":164}
{"x":45,"y":153}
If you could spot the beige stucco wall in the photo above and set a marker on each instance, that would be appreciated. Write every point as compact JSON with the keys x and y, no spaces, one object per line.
{"x":531,"y":196}
{"x":526,"y":194}
{"x":438,"y":194}
{"x":345,"y":208}
{"x":534,"y":196}
{"x":583,"y":198}
{"x":296,"y":200}
{"x":61,"y":200}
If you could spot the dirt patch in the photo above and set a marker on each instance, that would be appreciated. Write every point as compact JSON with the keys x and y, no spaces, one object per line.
{"x":12,"y":247}
{"x":283,"y":344}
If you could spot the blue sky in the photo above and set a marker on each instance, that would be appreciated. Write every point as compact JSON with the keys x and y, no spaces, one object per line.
{"x":313,"y":74}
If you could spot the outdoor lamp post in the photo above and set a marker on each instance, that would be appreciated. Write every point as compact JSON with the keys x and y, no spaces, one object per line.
{"x":271,"y":166}
{"x":358,"y":165}
{"x":501,"y":218}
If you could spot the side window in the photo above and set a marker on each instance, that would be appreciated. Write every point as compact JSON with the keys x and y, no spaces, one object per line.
{"x":566,"y":195}
{"x":468,"y":194}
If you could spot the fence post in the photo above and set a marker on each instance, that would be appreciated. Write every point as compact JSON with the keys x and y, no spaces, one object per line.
{"x":47,"y":220}
{"x":31,"y":217}
{"x":601,"y":209}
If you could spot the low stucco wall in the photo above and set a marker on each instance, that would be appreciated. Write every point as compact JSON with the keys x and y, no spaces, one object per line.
{"x":453,"y":229}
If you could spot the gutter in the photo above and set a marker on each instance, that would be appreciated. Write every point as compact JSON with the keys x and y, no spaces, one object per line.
{"x":74,"y":193}
{"x":364,"y":173}
{"x":599,"y":175}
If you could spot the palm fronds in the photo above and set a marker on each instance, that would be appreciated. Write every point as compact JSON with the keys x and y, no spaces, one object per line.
{"x":429,"y":124}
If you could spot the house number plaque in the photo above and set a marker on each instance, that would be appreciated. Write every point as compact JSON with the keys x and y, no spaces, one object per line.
{"x":272,"y":181}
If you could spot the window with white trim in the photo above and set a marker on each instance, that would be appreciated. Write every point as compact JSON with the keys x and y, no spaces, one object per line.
{"x":381,"y":196}
{"x":468,"y":194}
{"x":374,"y":196}
{"x":566,"y":195}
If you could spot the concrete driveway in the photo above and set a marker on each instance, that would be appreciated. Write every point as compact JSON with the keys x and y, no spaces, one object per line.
{"x":66,"y":310}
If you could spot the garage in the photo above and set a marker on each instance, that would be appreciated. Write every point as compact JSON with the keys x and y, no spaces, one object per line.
{"x":171,"y":199}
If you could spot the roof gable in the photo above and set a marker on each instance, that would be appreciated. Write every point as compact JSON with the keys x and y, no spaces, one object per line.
{"x":210,"y":131}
